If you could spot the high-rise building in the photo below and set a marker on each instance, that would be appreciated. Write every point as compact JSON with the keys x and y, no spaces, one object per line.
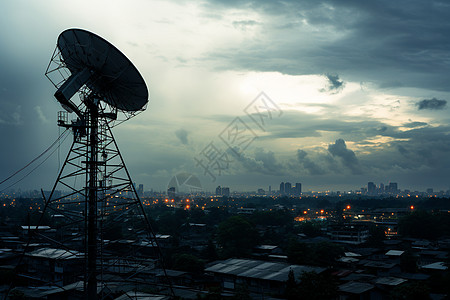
{"x":222,"y":191}
{"x":140,"y":190}
{"x":226,"y":191}
{"x":393,"y":187}
{"x":171,"y":192}
{"x":218,"y":191}
{"x":288,"y":188}
{"x":282,"y":190}
{"x":371,"y":188}
{"x":298,"y":189}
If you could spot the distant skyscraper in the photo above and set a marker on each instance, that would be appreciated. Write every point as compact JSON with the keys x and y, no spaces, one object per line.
{"x":393,"y":187}
{"x":219,"y":191}
{"x":171,"y":192}
{"x":371,"y":188}
{"x":381,"y":187}
{"x":140,"y":190}
{"x":288,"y":188}
{"x":298,"y":189}
{"x":222,"y":191}
{"x":282,"y":188}
{"x":226,"y":191}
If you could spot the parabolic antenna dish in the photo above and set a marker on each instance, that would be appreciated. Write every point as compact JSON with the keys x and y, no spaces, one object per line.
{"x":106,"y":71}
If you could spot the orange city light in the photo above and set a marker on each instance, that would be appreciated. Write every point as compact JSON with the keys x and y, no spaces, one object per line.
{"x":348,"y":207}
{"x":412,"y":207}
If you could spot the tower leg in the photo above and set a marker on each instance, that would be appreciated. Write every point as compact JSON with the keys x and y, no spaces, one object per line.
{"x":92,"y":204}
{"x":98,"y":221}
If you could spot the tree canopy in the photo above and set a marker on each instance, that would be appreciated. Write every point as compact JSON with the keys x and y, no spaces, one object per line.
{"x":236,"y":236}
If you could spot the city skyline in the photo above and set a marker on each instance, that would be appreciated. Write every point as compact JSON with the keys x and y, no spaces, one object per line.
{"x":285,"y":189}
{"x":352,"y":92}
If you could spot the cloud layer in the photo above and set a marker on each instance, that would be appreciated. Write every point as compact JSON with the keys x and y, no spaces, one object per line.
{"x":433,"y":104}
{"x":362,"y":86}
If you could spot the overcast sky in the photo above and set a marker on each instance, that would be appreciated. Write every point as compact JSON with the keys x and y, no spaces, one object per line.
{"x":331,"y":94}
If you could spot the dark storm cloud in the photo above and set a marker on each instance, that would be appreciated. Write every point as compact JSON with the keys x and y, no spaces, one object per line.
{"x":182,"y":135}
{"x":432,"y":104}
{"x":415,"y":124}
{"x":268,"y":159}
{"x":334,"y":84}
{"x":23,"y":88}
{"x":402,"y":150}
{"x":339,"y":149}
{"x":295,"y":124}
{"x":412,"y":152}
{"x":412,"y":146}
{"x":402,"y":153}
{"x":263,"y":162}
{"x":386,"y":152}
{"x":393,"y":43}
{"x":308,"y":164}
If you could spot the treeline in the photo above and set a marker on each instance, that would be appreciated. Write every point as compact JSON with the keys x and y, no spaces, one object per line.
{"x":425,"y":225}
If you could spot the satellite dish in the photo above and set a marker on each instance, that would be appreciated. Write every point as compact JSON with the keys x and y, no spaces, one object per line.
{"x":108,"y":83}
{"x":107,"y":72}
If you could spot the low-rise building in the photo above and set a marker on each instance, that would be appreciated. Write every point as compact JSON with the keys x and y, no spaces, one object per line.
{"x":258,"y":276}
{"x":348,"y":234}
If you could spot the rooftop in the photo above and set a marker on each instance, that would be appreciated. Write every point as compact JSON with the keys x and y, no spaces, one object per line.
{"x":56,"y":253}
{"x":394,"y":253}
{"x":354,"y":287}
{"x":392,"y":281}
{"x":273,"y":271}
{"x":436,"y":266}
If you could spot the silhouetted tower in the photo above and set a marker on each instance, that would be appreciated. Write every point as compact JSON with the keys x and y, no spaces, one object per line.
{"x":288,"y":188}
{"x":393,"y":188}
{"x":282,"y":190}
{"x":94,"y":171}
{"x":371,"y":188}
{"x":226,"y":191}
{"x":171,"y":192}
{"x":298,"y":189}
{"x":141,"y":190}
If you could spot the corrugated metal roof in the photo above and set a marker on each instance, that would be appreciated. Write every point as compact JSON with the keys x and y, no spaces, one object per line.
{"x":440,"y":265}
{"x":266,"y":247}
{"x":52,"y":253}
{"x":351,"y":254}
{"x":259,"y":269}
{"x":392,"y":281}
{"x":354,"y":287}
{"x":394,"y":252}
